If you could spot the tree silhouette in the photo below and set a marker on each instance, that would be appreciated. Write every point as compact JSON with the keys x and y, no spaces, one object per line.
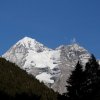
{"x":74,"y":83}
{"x":92,"y":78}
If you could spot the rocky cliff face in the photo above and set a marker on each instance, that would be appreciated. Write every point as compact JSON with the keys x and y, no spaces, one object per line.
{"x":53,"y":67}
{"x":69,"y":56}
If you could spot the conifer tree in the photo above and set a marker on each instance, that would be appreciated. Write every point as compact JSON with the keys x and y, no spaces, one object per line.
{"x":74,"y":83}
{"x":92,"y":78}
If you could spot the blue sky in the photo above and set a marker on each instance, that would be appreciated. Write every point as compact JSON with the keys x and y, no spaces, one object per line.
{"x":52,"y":22}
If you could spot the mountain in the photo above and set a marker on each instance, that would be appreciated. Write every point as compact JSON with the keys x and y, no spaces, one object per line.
{"x":53,"y":67}
{"x":69,"y":56}
{"x":16,"y":84}
{"x":34,"y":57}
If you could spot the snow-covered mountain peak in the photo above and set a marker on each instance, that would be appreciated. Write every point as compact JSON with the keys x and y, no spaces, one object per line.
{"x":26,"y":40}
{"x":31,"y":44}
{"x":18,"y":52}
{"x":72,"y":47}
{"x":74,"y":52}
{"x":76,"y":47}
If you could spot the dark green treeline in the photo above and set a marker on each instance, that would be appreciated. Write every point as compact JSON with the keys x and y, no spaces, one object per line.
{"x":17,"y":84}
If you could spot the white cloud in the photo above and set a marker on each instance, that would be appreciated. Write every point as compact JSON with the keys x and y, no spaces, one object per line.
{"x":73,"y":40}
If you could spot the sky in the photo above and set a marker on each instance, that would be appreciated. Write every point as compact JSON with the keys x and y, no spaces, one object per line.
{"x":51,"y":22}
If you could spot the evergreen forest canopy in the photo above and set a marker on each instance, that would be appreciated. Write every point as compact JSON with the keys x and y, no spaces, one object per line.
{"x":17,"y":84}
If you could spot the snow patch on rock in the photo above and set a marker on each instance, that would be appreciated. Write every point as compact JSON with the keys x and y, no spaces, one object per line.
{"x":45,"y":77}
